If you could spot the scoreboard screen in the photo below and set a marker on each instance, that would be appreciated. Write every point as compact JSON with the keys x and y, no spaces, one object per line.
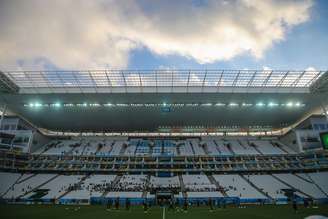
{"x":324,"y":140}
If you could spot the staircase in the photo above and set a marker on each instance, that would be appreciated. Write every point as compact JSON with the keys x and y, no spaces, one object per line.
{"x":281,"y":146}
{"x":73,"y":148}
{"x":278,"y":146}
{"x":217,"y":146}
{"x":69,"y":190}
{"x":256,"y":148}
{"x":85,"y":147}
{"x":99,"y":148}
{"x":178,"y":149}
{"x":111,"y":146}
{"x":230,"y":149}
{"x":241,"y":144}
{"x":205,"y":148}
{"x":254,"y":186}
{"x":145,"y":191}
{"x":123,"y":149}
{"x":220,"y":188}
{"x":47,"y":148}
{"x":192,"y":147}
{"x":182,"y":186}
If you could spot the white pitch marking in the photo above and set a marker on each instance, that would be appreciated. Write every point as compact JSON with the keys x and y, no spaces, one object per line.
{"x":163,"y":212}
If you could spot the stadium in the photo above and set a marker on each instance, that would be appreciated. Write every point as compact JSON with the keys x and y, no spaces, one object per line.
{"x":164,"y":143}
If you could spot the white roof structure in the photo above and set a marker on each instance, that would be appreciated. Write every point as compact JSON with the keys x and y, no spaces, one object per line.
{"x":135,"y":81}
{"x":161,"y":100}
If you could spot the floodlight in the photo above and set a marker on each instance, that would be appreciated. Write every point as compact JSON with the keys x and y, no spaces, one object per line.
{"x":233,"y":104}
{"x":289,"y":104}
{"x":206,"y":104}
{"x":220,"y":104}
{"x":260,"y":104}
{"x":271,"y":104}
{"x":37,"y":104}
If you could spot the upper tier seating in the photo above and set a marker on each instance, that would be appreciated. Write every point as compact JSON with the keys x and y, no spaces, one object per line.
{"x":211,"y":147}
{"x":143,"y":147}
{"x":105,"y":148}
{"x":131,"y":148}
{"x":196,"y":147}
{"x":185,"y":148}
{"x":117,"y":147}
{"x":242,"y":148}
{"x":267,"y":148}
{"x":158,"y":147}
{"x":224,"y":150}
{"x":65,"y":147}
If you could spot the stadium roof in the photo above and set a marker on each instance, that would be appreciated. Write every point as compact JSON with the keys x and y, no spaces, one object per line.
{"x":117,"y":101}
{"x":150,"y":80}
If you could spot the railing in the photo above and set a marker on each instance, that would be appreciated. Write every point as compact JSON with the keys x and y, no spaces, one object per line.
{"x":238,"y":163}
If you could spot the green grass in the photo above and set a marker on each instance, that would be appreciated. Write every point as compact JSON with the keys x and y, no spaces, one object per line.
{"x":99,"y":212}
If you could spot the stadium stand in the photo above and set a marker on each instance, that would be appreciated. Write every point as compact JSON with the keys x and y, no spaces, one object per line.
{"x":179,"y":141}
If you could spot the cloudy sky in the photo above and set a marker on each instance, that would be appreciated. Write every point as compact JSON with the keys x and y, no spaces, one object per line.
{"x":152,"y":34}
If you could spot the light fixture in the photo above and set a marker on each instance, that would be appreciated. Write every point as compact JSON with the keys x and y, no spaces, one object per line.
{"x":233,"y":104}
{"x":289,"y":104}
{"x":271,"y":104}
{"x":57,"y":104}
{"x":68,"y":104}
{"x":247,"y":104}
{"x":37,"y":104}
{"x":220,"y":104}
{"x":206,"y":104}
{"x":260,"y":104}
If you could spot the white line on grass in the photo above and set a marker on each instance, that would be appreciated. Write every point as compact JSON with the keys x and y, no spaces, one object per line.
{"x":163,"y":213}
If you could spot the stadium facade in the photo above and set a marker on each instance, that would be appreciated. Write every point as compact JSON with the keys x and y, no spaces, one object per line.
{"x":246,"y":136}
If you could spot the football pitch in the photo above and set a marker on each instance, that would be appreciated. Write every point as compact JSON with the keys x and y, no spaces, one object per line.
{"x":137,"y":212}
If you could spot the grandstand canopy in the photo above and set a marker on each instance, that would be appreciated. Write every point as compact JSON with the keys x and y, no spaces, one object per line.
{"x":114,"y":100}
